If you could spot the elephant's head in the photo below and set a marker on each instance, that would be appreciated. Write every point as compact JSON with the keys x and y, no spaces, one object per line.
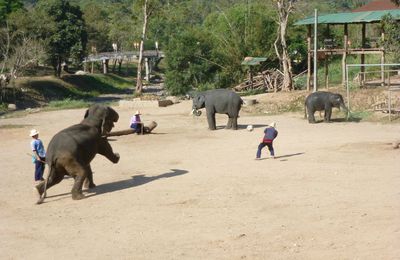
{"x":198,"y":102}
{"x":102,"y":117}
{"x":337,"y":101}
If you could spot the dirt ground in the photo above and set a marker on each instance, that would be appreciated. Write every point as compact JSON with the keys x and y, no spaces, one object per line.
{"x":185,"y":192}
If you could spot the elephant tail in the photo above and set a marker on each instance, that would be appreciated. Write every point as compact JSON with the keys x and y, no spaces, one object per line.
{"x":49,"y":177}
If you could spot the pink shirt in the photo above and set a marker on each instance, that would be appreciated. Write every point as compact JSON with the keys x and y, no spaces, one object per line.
{"x":135,"y":119}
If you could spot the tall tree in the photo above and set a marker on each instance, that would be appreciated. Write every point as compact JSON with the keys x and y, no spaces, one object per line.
{"x":149,"y":7}
{"x":8,"y":6}
{"x":66,"y":33}
{"x":397,"y":2}
{"x":284,"y":8}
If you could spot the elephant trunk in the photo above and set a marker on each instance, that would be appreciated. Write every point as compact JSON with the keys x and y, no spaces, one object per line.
{"x":195,"y":112}
{"x":344,"y":108}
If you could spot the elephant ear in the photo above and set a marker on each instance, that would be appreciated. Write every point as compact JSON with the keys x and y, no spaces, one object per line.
{"x":107,"y":121}
{"x":86,"y":113}
{"x":201,"y":99}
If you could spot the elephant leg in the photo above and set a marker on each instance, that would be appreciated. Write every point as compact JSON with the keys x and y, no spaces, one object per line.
{"x":234,"y":123}
{"x":328,"y":114}
{"x":56,"y":175}
{"x":229,"y":125}
{"x":88,"y":183}
{"x":74,"y":168}
{"x":311,"y":118}
{"x":77,"y":188}
{"x":211,"y":121}
{"x":106,"y":150}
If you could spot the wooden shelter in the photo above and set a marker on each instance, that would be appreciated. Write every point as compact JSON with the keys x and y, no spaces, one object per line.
{"x":364,"y":15}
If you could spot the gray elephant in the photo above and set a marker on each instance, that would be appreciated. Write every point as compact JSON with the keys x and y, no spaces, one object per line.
{"x":322,"y":100}
{"x":71,"y":150}
{"x":222,"y":101}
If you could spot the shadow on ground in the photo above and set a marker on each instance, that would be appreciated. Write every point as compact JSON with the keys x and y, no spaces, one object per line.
{"x":121,"y":185}
{"x":134,"y":182}
{"x":353,"y":119}
{"x":240,"y":127}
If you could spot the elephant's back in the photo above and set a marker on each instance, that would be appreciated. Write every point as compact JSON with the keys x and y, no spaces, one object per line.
{"x":226,"y":94}
{"x":316,"y":96}
{"x":73,"y":138}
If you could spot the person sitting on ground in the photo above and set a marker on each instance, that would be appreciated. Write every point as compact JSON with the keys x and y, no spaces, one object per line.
{"x":136,"y":123}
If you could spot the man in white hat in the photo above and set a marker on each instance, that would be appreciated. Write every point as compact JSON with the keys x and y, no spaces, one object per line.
{"x":39,"y":155}
{"x":270,"y":133}
{"x":136,"y":123}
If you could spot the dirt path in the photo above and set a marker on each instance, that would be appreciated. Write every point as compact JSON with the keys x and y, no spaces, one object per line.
{"x":188,"y":193}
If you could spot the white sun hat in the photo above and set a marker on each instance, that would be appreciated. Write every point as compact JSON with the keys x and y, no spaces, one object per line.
{"x":33,"y":132}
{"x":273,"y":124}
{"x":137,"y":113}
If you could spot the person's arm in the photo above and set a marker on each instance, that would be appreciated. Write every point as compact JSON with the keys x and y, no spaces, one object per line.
{"x":35,"y":152}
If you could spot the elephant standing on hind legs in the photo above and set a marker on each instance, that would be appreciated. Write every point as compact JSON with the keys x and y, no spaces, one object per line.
{"x":71,"y":150}
{"x":222,"y":101}
{"x":322,"y":100}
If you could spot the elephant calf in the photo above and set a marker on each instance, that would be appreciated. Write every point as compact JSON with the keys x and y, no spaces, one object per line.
{"x":222,"y":101}
{"x":71,"y":150}
{"x":322,"y":100}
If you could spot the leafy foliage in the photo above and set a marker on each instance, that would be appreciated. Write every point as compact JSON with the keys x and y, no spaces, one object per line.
{"x":7,"y":7}
{"x":67,"y":36}
{"x":392,"y":35}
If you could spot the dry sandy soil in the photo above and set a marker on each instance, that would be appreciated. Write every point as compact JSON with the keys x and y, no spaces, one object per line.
{"x":185,"y":192}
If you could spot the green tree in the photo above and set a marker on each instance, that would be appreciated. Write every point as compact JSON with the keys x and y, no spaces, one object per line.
{"x":66,"y":32}
{"x":391,"y":43}
{"x":189,"y":64}
{"x":210,"y":52}
{"x":7,"y":7}
{"x":96,"y":18}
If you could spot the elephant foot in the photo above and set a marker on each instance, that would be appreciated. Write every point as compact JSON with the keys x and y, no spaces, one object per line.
{"x":117,"y":157}
{"x":39,"y":188}
{"x":89,"y":185}
{"x":77,"y":196}
{"x":40,"y":195}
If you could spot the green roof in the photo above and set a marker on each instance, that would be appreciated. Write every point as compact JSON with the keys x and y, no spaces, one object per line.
{"x":356,"y":17}
{"x":251,"y":61}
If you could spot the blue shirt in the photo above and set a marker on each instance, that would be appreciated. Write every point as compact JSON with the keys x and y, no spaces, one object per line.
{"x":37,"y":146}
{"x":270,"y":134}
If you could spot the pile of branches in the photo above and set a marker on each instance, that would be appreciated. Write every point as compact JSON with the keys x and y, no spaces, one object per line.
{"x":266,"y":81}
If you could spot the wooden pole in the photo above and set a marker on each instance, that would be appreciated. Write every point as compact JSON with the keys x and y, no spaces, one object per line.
{"x":362,"y":57}
{"x":105,"y":66}
{"x":146,"y":60}
{"x":344,"y":59}
{"x":326,"y":63}
{"x":383,"y":60}
{"x":308,"y":57}
{"x":326,"y":72}
{"x":315,"y":72}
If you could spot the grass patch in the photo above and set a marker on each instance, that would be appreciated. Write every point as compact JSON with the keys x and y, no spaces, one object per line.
{"x":12,"y":126}
{"x":359,"y":115}
{"x":67,"y":104}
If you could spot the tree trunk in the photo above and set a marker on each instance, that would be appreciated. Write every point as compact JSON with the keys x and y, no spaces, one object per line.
{"x":139,"y":84}
{"x":285,"y":7}
{"x":58,"y":67}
